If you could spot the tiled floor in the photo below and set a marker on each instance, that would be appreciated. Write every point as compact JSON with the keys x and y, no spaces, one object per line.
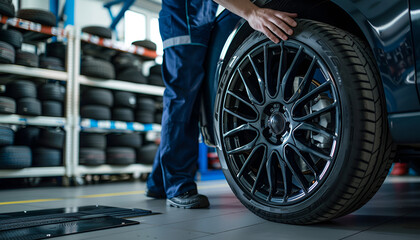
{"x":394,"y":213}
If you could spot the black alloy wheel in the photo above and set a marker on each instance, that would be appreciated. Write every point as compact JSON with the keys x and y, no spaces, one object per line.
{"x":292,"y":126}
{"x":292,"y":149}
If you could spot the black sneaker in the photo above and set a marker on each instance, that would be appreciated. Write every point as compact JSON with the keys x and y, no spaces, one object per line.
{"x":190,"y":199}
{"x":155,"y":195}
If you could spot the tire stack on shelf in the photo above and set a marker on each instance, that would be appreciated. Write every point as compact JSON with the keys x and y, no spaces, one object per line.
{"x":121,"y":148}
{"x":128,"y":68}
{"x":159,"y":110}
{"x":146,"y":108}
{"x":92,"y":149}
{"x":24,"y":92}
{"x":96,"y":59}
{"x":13,"y":156}
{"x":46,"y":144}
{"x":96,"y":104}
{"x":22,"y":96}
{"x":124,"y":105}
{"x":52,"y":96}
{"x":155,"y":76}
{"x":146,"y":153}
{"x":7,"y":38}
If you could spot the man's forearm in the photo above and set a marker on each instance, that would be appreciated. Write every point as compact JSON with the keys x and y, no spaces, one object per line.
{"x":242,"y":8}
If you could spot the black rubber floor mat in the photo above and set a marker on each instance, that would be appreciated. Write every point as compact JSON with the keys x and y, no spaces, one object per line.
{"x":83,"y":224}
{"x":87,"y":217}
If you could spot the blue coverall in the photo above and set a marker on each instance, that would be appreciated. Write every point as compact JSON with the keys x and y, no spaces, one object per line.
{"x":185,"y":28}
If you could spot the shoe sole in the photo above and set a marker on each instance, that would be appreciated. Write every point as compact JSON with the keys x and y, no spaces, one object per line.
{"x":186,"y":206}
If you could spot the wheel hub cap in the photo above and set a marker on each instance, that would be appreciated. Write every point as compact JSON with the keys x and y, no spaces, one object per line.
{"x":277,"y":123}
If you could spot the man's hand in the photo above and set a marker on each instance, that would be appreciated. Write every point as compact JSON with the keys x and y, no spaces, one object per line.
{"x":274,"y":24}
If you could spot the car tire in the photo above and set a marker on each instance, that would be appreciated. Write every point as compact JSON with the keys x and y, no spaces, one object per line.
{"x":132,"y":75}
{"x":120,"y":156}
{"x":123,"y":114}
{"x":95,"y":112}
{"x":21,"y":89}
{"x":156,"y":80}
{"x":145,"y":117}
{"x":158,"y":118}
{"x":92,"y":140}
{"x":99,"y":31}
{"x":29,"y":106}
{"x":7,"y":8}
{"x":56,"y":50}
{"x":123,"y":61}
{"x":133,"y":140}
{"x":7,"y":53}
{"x":51,"y":63}
{"x":96,"y":96}
{"x":27,"y":59}
{"x":146,"y":44}
{"x":15,"y":157}
{"x":146,"y":104}
{"x":51,"y":138}
{"x":38,"y":16}
{"x":156,"y":70}
{"x":146,"y":154}
{"x":91,"y":156}
{"x":51,"y":91}
{"x":6,"y":136}
{"x":12,"y":37}
{"x":124,"y":99}
{"x":46,"y":157}
{"x":27,"y":136}
{"x":7,"y":105}
{"x":332,"y":170}
{"x":97,"y":68}
{"x":52,"y":109}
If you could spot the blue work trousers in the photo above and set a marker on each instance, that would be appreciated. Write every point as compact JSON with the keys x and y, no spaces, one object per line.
{"x":185,"y":28}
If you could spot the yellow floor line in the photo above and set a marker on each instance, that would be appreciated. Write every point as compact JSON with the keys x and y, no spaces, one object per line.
{"x":100,"y":195}
{"x":32,"y":201}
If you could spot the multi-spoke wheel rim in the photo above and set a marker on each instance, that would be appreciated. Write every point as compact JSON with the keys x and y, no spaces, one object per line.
{"x":280,"y":122}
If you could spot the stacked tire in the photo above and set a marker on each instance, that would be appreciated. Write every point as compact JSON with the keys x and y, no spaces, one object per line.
{"x":146,"y":153}
{"x":43,"y":17}
{"x":13,"y":156}
{"x":124,"y":105}
{"x":25,"y":94}
{"x":46,"y":144}
{"x":92,"y":149}
{"x":22,"y":98}
{"x":128,"y":68}
{"x":122,"y":148}
{"x":146,"y":109}
{"x":96,"y":59}
{"x":52,"y":96}
{"x":96,"y":104}
{"x":155,"y":75}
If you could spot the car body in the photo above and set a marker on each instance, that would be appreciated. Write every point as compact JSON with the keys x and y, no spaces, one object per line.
{"x":391,"y":30}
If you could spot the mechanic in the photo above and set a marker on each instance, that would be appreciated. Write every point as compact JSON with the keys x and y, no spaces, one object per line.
{"x":185,"y":28}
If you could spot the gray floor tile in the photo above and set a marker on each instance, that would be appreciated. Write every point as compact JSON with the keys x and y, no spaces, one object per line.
{"x":156,"y":233}
{"x":219,"y":223}
{"x":270,"y":230}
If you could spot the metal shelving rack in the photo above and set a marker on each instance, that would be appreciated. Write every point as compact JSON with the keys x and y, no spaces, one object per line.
{"x":105,"y":126}
{"x":72,"y":123}
{"x":38,"y":73}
